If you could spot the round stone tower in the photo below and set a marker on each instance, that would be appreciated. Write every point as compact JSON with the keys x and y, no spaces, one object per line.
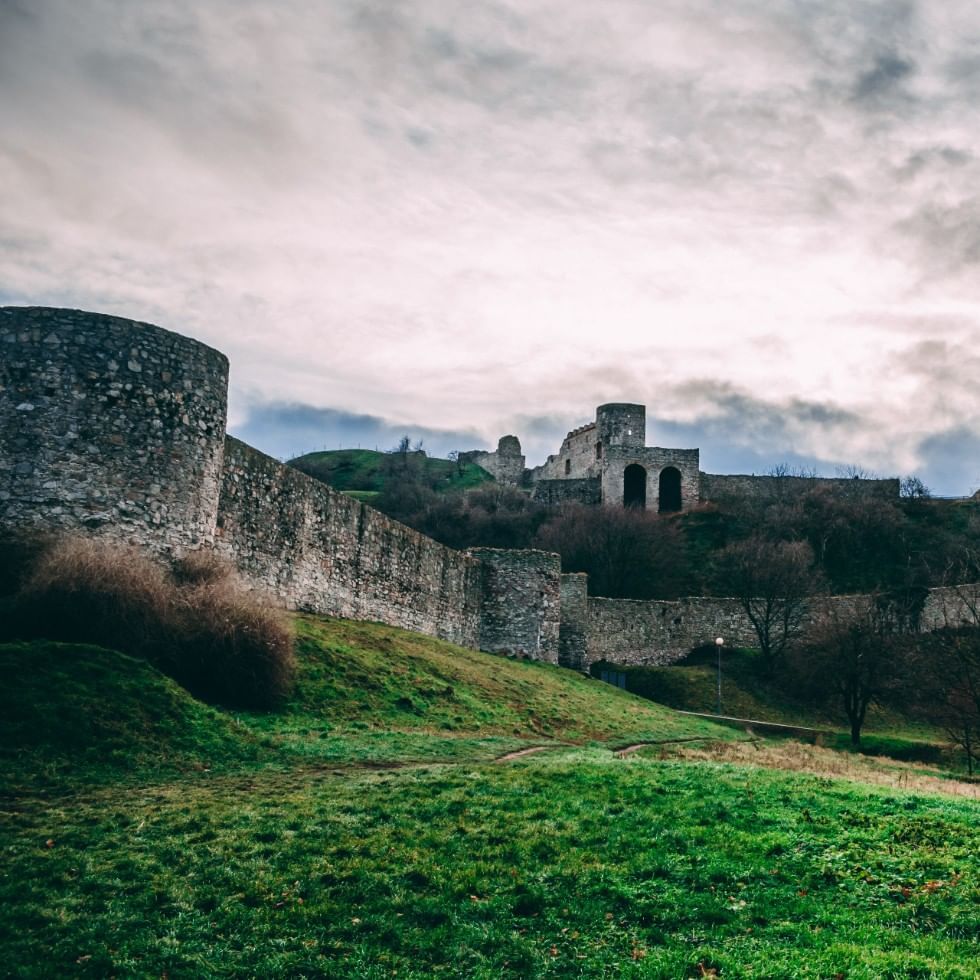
{"x":109,"y":425}
{"x":621,"y":424}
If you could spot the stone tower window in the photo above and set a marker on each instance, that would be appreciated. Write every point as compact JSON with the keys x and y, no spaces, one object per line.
{"x":598,"y":450}
{"x":568,"y":466}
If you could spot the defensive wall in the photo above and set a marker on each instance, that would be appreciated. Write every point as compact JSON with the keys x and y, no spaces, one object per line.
{"x":506,"y":464}
{"x":116,"y":428}
{"x":109,"y":425}
{"x":656,"y":633}
{"x":764,"y":488}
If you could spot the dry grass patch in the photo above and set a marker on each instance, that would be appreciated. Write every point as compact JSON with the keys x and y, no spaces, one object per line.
{"x":799,"y":757}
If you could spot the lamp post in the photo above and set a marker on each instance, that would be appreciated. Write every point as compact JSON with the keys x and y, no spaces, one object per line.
{"x":719,"y":643}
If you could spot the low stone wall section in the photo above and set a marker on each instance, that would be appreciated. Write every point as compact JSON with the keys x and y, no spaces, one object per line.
{"x":657,"y":633}
{"x":322,"y":551}
{"x":521,"y":602}
{"x":554,"y":493}
{"x":109,"y":426}
{"x":743,"y":488}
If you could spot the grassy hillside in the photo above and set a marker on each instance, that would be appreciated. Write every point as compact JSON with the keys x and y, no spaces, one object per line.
{"x":363,"y":830}
{"x":364,"y":470}
{"x":364,"y":689}
{"x":72,"y":713}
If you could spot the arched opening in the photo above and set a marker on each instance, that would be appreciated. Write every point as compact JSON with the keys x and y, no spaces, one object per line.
{"x":568,"y":467}
{"x":634,"y":486}
{"x":670,"y":490}
{"x":598,"y":450}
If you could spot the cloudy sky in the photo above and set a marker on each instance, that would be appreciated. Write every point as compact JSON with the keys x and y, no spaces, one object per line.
{"x":458,"y":219}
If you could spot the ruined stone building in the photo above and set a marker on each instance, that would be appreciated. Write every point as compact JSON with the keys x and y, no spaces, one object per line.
{"x":608,"y":462}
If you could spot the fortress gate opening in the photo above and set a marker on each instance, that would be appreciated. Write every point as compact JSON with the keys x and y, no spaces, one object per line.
{"x":635,"y":486}
{"x":670,"y":490}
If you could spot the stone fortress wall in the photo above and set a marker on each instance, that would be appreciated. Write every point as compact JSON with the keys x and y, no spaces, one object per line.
{"x":657,"y":633}
{"x":741,"y":487}
{"x":109,"y":425}
{"x":506,"y":465}
{"x":116,"y":428}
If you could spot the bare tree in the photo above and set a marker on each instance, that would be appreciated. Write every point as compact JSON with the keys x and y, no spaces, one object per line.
{"x":912,"y":488}
{"x":853,"y":658}
{"x":854,"y":471}
{"x":947,"y":670}
{"x":773,"y":582}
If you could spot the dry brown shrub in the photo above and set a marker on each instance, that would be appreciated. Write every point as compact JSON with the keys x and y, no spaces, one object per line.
{"x":234,"y":647}
{"x":87,"y":590}
{"x":200,"y":567}
{"x":197,"y":623}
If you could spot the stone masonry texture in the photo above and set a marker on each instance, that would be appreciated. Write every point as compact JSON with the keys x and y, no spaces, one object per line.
{"x":109,"y":425}
{"x":322,"y":551}
{"x":521,"y":602}
{"x":573,"y":636}
{"x":115,"y":427}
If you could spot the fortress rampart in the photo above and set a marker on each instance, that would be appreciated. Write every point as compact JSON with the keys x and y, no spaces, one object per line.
{"x":322,"y":551}
{"x":109,"y":425}
{"x":764,"y":488}
{"x":113,"y":427}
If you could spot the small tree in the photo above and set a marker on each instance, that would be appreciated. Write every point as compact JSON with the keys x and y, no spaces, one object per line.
{"x":854,"y":657}
{"x":773,"y":582}
{"x":947,"y":671}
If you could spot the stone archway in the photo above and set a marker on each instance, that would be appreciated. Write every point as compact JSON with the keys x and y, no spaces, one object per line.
{"x":635,"y":486}
{"x":670,"y":496}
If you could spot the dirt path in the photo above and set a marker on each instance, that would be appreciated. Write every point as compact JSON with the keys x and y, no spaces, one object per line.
{"x":522,"y":752}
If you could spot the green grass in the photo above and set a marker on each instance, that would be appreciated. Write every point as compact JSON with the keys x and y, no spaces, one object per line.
{"x":362,"y":470}
{"x":72,"y":714}
{"x":361,"y":686}
{"x":747,"y":692}
{"x":574,"y":865}
{"x":363,"y":831}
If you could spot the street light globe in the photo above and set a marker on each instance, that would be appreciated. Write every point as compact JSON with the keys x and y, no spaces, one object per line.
{"x":719,"y":641}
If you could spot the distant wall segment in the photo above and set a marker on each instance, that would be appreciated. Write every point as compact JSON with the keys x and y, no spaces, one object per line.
{"x":109,"y":425}
{"x":740,"y":488}
{"x":521,"y":602}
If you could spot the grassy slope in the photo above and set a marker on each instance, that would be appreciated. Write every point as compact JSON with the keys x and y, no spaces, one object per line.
{"x":558,"y":866}
{"x":570,"y":863}
{"x":71,"y":714}
{"x":75,"y":713}
{"x":370,"y":691}
{"x":361,"y":470}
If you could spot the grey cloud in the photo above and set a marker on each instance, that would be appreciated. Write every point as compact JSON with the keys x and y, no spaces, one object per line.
{"x":951,"y":461}
{"x":884,"y":78}
{"x":941,"y":157}
{"x":947,"y":238}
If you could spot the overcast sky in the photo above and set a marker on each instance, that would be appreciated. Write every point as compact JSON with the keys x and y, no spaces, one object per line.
{"x":459,"y":219}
